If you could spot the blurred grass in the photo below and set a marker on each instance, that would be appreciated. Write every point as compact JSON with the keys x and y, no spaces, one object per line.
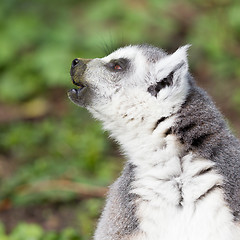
{"x":46,"y":139}
{"x":25,"y":231}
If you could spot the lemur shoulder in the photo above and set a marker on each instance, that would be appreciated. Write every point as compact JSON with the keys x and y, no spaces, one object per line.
{"x":181,"y":180}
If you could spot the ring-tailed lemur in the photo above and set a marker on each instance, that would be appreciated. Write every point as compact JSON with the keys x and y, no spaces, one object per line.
{"x":182,"y":177}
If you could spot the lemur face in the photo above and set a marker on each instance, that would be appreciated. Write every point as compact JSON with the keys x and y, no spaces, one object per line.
{"x":130,"y":71}
{"x":100,"y":79}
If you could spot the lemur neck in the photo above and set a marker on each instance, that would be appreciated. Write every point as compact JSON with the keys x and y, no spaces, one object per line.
{"x":150,"y":145}
{"x":141,"y":124}
{"x":143,"y":137}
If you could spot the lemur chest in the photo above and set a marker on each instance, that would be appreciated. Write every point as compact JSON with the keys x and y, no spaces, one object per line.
{"x":182,"y":199}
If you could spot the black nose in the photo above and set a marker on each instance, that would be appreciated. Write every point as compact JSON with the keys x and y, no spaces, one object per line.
{"x":75,"y":62}
{"x":78,"y":65}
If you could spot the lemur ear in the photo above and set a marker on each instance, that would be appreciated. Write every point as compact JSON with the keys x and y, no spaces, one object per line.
{"x":169,"y":69}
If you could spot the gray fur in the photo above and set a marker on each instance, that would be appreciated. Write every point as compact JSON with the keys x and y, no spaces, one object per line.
{"x":152,"y":53}
{"x":202,"y":129}
{"x":120,"y":208}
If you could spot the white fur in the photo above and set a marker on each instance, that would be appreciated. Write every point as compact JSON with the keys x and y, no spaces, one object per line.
{"x":168,"y":63}
{"x":160,"y":171}
{"x":158,"y":210}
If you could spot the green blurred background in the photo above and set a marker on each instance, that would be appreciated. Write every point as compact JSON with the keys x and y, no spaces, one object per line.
{"x":55,"y":161}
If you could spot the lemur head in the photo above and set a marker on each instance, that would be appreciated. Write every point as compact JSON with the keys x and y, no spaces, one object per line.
{"x":132,"y":76}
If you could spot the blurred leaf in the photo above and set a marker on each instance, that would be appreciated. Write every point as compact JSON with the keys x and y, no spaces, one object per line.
{"x":69,"y":234}
{"x":2,"y":232}
{"x":26,"y":232}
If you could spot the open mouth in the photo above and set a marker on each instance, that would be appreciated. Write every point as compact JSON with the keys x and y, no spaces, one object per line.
{"x":76,"y":94}
{"x":80,"y":87}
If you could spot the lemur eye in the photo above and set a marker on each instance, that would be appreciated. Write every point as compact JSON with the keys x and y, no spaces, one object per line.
{"x":117,"y":67}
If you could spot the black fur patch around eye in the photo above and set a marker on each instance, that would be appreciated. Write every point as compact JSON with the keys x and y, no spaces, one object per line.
{"x":124,"y":64}
{"x":165,"y":82}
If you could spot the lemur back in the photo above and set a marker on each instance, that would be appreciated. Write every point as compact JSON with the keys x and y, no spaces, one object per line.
{"x":181,"y":179}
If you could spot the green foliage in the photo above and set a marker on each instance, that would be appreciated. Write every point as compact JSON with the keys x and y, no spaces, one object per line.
{"x":24,"y":231}
{"x":88,"y":214}
{"x":72,"y":148}
{"x":27,"y":231}
{"x":46,"y":139}
{"x":39,"y":39}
